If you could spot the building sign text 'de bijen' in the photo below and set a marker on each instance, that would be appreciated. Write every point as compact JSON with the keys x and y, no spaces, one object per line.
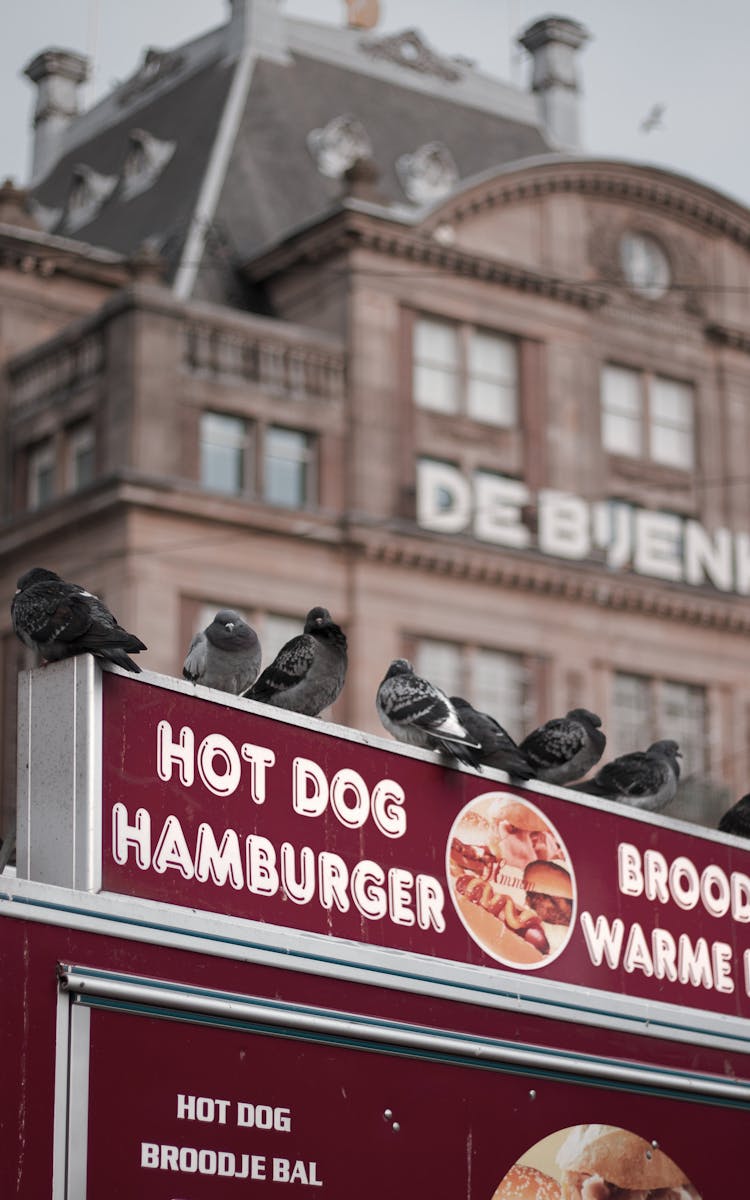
{"x":658,"y":544}
{"x":222,"y":809}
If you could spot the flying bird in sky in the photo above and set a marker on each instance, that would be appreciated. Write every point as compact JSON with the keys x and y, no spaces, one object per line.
{"x":496,"y":747}
{"x":309,"y":671}
{"x":224,"y":655}
{"x":416,"y":712}
{"x":565,"y":748}
{"x":645,"y":779}
{"x":736,"y":819}
{"x":62,"y":619}
{"x":653,"y":118}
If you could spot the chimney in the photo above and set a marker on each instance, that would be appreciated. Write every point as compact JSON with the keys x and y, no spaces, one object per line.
{"x":57,"y":74}
{"x":552,"y":44}
{"x":259,"y":23}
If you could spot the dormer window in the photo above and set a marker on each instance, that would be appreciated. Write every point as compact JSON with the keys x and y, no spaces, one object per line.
{"x":88,"y":192}
{"x":146,"y":158}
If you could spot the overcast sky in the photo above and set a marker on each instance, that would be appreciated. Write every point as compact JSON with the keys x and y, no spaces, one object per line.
{"x":689,"y":55}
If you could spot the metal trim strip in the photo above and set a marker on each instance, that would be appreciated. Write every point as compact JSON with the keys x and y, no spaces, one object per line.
{"x":78,"y":1103}
{"x":443,"y":1044}
{"x":218,"y":936}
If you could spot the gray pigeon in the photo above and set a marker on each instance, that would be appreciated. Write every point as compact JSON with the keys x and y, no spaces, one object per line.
{"x":565,"y":748}
{"x":497,"y":748}
{"x":736,"y":819}
{"x":224,"y":655}
{"x":308,"y":672}
{"x":61,"y":620}
{"x":416,"y":712}
{"x":645,"y":779}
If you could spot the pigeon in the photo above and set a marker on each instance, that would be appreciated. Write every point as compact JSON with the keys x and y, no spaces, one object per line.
{"x":416,"y":712}
{"x":736,"y":819}
{"x":224,"y":655}
{"x":62,"y":619}
{"x":308,"y":672}
{"x":645,"y":780}
{"x":565,"y":748}
{"x":497,"y":748}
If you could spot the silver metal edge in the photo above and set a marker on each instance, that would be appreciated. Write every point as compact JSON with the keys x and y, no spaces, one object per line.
{"x":23,"y":785}
{"x":78,"y":1101}
{"x":61,"y":1097}
{"x":135,"y":919}
{"x":88,"y":775}
{"x":446,"y":1045}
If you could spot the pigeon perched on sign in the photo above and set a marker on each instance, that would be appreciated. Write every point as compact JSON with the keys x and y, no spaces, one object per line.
{"x":418,"y":713}
{"x":62,"y":619}
{"x":565,"y":748}
{"x":308,"y":672}
{"x":645,"y":779}
{"x":224,"y":655}
{"x":736,"y":819}
{"x":496,"y":747}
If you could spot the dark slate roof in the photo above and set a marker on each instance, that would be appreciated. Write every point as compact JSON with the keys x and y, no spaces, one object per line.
{"x":272,"y":184}
{"x":187,"y":113}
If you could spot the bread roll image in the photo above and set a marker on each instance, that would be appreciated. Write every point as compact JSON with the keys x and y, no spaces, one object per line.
{"x":527,"y":1183}
{"x":614,"y":1161}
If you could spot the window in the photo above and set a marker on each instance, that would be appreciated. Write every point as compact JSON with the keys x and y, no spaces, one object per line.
{"x":288,"y":468}
{"x":460,"y":369}
{"x":647,"y":416}
{"x":275,"y":631}
{"x":41,"y":474}
{"x":225,"y":463}
{"x":493,"y":681}
{"x":645,"y":710}
{"x":80,"y":457}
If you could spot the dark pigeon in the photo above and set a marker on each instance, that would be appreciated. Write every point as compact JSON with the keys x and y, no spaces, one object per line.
{"x":224,"y":655}
{"x":62,"y":619}
{"x":497,"y":748}
{"x":416,"y":712}
{"x":309,"y":671}
{"x":565,"y":748}
{"x":736,"y":819}
{"x":645,"y":779}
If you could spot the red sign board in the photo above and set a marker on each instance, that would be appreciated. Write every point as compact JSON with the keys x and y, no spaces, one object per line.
{"x":204,"y":1112}
{"x":219,"y":808}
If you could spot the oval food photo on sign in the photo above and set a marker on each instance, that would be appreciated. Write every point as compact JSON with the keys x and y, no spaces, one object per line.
{"x":511,"y":880}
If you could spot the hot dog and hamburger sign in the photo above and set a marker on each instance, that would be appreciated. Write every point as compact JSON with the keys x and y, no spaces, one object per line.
{"x":316,"y":950}
{"x":242,"y":814}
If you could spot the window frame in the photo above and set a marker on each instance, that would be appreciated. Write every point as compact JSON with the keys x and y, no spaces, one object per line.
{"x":41,"y":454}
{"x":463,"y":374}
{"x":306,"y":460}
{"x":245,"y":446}
{"x":657,"y":721}
{"x":469,"y":654}
{"x":648,"y":381}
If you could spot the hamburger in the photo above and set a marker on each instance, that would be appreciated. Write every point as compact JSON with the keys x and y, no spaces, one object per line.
{"x":602,"y":1162}
{"x":470,"y":844}
{"x":549,"y":891}
{"x":527,"y":1183}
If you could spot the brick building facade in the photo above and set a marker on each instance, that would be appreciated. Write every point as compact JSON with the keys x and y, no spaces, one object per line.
{"x":379,"y":336}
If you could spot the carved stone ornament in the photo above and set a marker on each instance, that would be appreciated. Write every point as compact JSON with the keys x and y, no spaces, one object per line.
{"x":428,"y":174}
{"x":88,"y":192}
{"x":157,"y":65}
{"x":684,"y":289}
{"x":146,"y":158}
{"x":338,"y":145}
{"x":408,"y":50}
